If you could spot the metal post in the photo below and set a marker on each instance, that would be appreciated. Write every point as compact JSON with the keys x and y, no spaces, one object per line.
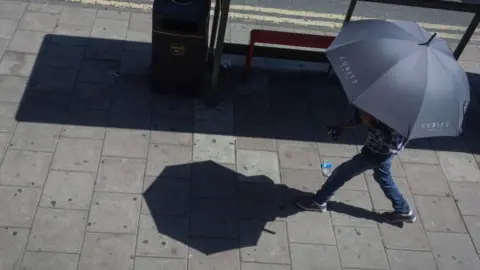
{"x":350,"y":9}
{"x":225,"y":7}
{"x":215,"y":25}
{"x":466,"y":37}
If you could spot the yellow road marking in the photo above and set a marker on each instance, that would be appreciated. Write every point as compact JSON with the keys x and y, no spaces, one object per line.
{"x":306,"y":17}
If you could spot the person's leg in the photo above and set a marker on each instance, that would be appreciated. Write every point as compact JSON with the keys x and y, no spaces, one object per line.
{"x":340,"y":175}
{"x":382,"y":175}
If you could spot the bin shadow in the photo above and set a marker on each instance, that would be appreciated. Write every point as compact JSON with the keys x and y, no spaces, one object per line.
{"x":91,"y":82}
{"x":205,"y":200}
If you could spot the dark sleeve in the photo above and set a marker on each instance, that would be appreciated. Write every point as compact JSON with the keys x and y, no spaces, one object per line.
{"x":386,"y":130}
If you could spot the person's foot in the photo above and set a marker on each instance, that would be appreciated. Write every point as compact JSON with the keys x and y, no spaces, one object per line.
{"x":396,"y":217}
{"x":309,"y":204}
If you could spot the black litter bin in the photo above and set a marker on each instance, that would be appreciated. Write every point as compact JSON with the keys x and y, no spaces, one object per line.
{"x":179,"y":44}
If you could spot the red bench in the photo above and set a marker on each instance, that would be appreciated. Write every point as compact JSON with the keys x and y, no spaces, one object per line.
{"x":286,"y":39}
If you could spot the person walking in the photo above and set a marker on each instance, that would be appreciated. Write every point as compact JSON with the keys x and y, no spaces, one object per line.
{"x":381,"y":145}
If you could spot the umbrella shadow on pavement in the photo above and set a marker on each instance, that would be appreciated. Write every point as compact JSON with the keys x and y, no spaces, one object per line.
{"x":191,"y":203}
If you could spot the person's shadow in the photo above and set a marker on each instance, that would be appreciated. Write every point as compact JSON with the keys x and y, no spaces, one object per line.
{"x":216,"y":200}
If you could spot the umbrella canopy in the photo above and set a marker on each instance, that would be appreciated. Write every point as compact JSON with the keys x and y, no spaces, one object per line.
{"x":403,"y":75}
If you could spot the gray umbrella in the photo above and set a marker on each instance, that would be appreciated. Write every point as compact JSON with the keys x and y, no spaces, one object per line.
{"x":402,"y":75}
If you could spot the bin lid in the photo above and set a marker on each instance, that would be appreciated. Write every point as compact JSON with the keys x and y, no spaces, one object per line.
{"x":183,"y":10}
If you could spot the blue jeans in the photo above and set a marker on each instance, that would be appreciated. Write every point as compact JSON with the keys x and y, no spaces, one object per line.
{"x":360,"y":163}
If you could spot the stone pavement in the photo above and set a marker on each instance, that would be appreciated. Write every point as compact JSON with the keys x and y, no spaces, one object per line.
{"x":99,"y":173}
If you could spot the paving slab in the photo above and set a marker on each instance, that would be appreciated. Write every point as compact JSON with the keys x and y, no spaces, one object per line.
{"x":40,"y":22}
{"x":28,"y":42}
{"x":68,"y":190}
{"x":35,"y":137}
{"x":12,"y":10}
{"x":410,"y":237}
{"x":473,"y":226}
{"x":17,"y":63}
{"x":453,"y":251}
{"x":114,"y":213}
{"x":78,"y":16}
{"x":361,"y":247}
{"x":426,"y":179}
{"x":144,"y":263}
{"x":18,"y":205}
{"x":310,"y":257}
{"x":43,"y":8}
{"x":254,"y":163}
{"x":25,"y":168}
{"x":400,"y":259}
{"x":107,"y":251}
{"x":311,"y":228}
{"x":298,"y":155}
{"x":13,"y":88}
{"x":467,"y":197}
{"x":12,"y":246}
{"x":49,"y":261}
{"x":227,"y":259}
{"x":446,"y":220}
{"x":126,"y":143}
{"x":57,"y":230}
{"x":77,"y":155}
{"x":7,"y":28}
{"x":120,"y":175}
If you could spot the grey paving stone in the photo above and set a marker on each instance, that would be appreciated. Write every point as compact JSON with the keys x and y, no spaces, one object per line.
{"x":126,"y":143}
{"x":12,"y":10}
{"x":298,"y":155}
{"x":459,"y":166}
{"x":426,"y":179}
{"x":172,"y":129}
{"x":104,"y":49}
{"x":17,"y":64}
{"x":69,"y":190}
{"x":142,"y":263}
{"x":55,"y":79}
{"x":77,"y":155}
{"x":3,"y":46}
{"x":467,"y":197}
{"x":169,"y":161}
{"x":41,"y":22}
{"x":405,"y":260}
{"x":253,"y":163}
{"x":114,"y":213}
{"x":380,"y":202}
{"x":140,"y":22}
{"x":78,"y":16}
{"x":136,"y":63}
{"x":97,"y":71}
{"x":439,"y":214}
{"x":453,"y":251}
{"x":357,"y":183}
{"x":212,"y":180}
{"x":25,"y":168}
{"x":419,"y":151}
{"x":12,"y":87}
{"x":107,"y":251}
{"x":303,"y":180}
{"x":35,"y":137}
{"x":163,"y":237}
{"x":266,"y":247}
{"x":218,"y":148}
{"x":311,"y":228}
{"x":411,"y":236}
{"x":86,"y":124}
{"x":49,"y":261}
{"x":7,"y":116}
{"x":109,"y":29}
{"x":263,"y":266}
{"x":57,"y":230}
{"x":214,"y":218}
{"x":63,"y":55}
{"x":92,"y":96}
{"x":165,"y":196}
{"x":7,"y":28}
{"x":53,"y":9}
{"x":71,"y":34}
{"x":12,"y":243}
{"x":357,"y":199}
{"x":361,"y":248}
{"x":227,"y":258}
{"x":473,"y":226}
{"x":138,"y":41}
{"x":113,"y":14}
{"x":28,"y":42}
{"x":310,"y":257}
{"x":18,"y":205}
{"x":4,"y":139}
{"x":253,"y":143}
{"x":120,"y":175}
{"x":218,"y":120}
{"x":470,"y":53}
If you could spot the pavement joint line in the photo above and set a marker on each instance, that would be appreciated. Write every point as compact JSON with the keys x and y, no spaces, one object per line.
{"x":267,"y":10}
